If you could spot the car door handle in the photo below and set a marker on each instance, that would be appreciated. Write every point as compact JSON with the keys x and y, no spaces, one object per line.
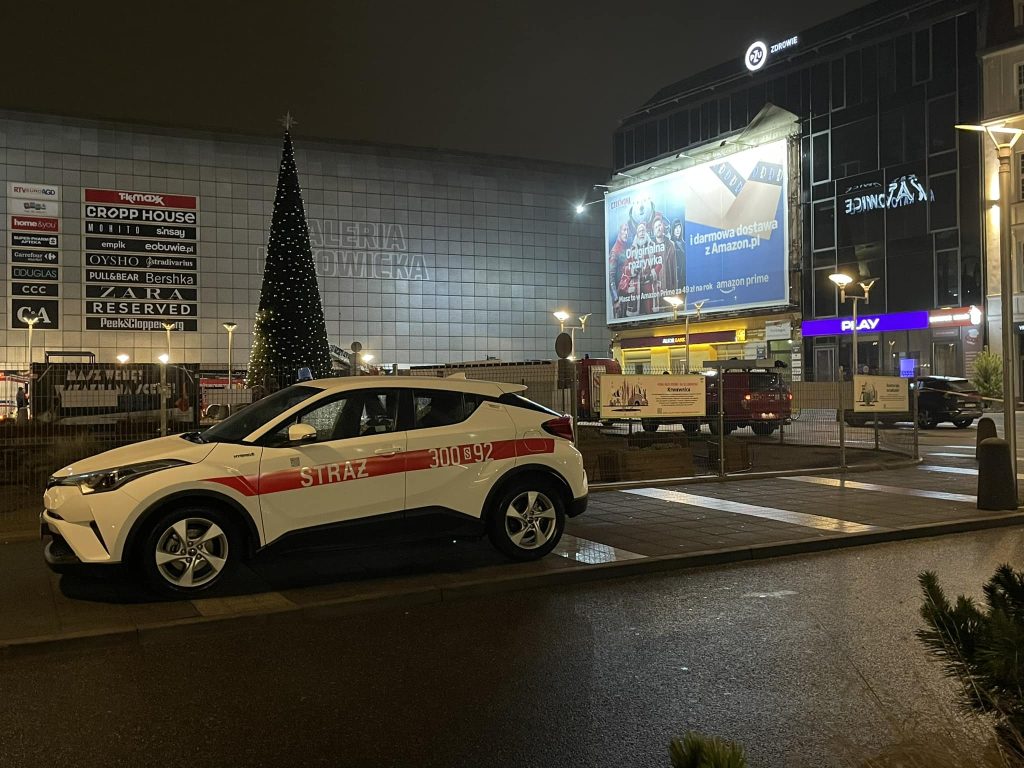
{"x":391,"y":451}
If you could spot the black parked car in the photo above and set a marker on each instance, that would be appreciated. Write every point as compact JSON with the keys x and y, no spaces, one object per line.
{"x":947,"y":398}
{"x":940,"y":398}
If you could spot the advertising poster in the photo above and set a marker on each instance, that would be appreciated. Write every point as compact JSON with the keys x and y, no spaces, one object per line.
{"x":715,"y":232}
{"x":645,"y":397}
{"x":142,"y":260}
{"x":877,"y":394}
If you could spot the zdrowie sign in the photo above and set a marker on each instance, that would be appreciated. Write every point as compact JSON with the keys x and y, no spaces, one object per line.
{"x":757,"y":54}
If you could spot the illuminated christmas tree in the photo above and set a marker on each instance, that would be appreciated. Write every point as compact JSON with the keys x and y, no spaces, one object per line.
{"x":289,"y":332}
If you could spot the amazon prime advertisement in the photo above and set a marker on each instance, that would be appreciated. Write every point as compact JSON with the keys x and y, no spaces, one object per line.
{"x":714,"y":233}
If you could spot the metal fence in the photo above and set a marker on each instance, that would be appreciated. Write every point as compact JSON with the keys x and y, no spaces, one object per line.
{"x":80,"y":409}
{"x":805,"y":432}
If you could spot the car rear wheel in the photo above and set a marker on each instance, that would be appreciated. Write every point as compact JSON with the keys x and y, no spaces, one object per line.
{"x":963,"y":423}
{"x":763,"y":428}
{"x":527,"y":520}
{"x":188,"y":551}
{"x":649,"y":425}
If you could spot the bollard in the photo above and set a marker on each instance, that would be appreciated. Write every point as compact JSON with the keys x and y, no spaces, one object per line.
{"x":997,"y":487}
{"x":986,"y":429}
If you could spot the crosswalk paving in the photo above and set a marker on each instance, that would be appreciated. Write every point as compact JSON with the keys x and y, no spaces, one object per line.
{"x":894,"y":489}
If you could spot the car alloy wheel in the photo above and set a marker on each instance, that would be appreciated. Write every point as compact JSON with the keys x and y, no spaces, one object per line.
{"x":531,"y":520}
{"x":525,"y":521}
{"x":191,"y":552}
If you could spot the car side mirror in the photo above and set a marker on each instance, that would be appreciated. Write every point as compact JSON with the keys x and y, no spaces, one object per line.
{"x":301,"y":433}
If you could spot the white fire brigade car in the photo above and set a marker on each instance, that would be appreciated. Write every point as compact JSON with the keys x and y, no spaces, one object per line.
{"x":356,"y":459}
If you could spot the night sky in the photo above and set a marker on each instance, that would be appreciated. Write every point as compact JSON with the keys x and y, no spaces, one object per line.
{"x":544,"y":80}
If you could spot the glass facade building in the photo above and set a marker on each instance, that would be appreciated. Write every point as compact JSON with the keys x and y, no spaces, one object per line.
{"x":889,"y":190}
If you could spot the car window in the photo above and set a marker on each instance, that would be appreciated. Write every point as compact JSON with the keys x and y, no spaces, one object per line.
{"x":237,"y":426}
{"x":961,"y":386}
{"x":764,"y":382}
{"x":347,"y":415}
{"x":439,"y":408}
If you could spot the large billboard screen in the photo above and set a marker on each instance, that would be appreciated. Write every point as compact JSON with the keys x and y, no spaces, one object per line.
{"x":715,"y":232}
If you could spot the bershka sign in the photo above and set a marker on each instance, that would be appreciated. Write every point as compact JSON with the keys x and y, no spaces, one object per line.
{"x":141,"y":259}
{"x":34,"y":209}
{"x":838,"y":326}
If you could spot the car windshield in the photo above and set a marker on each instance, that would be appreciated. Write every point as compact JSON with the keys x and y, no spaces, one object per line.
{"x":764,"y":382}
{"x":237,"y":426}
{"x":961,"y":385}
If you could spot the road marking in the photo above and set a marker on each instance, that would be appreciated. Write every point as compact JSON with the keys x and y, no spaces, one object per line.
{"x":590,"y":552}
{"x":949,"y":470}
{"x":781,"y":515}
{"x":953,"y":455}
{"x":955,"y":470}
{"x":780,"y":593}
{"x":853,"y":485}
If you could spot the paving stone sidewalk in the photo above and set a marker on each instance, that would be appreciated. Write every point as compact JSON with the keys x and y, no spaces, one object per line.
{"x":624,"y":532}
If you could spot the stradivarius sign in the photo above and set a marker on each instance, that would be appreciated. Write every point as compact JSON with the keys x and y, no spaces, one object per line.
{"x":759,"y":51}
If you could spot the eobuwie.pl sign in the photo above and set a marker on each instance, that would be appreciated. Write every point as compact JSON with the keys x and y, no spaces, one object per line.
{"x":141,"y":259}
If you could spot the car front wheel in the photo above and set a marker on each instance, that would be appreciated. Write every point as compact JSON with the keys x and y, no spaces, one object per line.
{"x":527,"y":520}
{"x":963,"y":423}
{"x":188,"y":551}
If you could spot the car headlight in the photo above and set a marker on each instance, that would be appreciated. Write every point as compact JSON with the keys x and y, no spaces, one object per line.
{"x":109,"y":479}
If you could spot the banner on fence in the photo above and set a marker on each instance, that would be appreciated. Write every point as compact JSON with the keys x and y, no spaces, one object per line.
{"x":878,"y":394}
{"x":644,"y":397}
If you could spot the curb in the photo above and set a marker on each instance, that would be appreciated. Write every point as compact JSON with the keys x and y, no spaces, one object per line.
{"x":371,"y":603}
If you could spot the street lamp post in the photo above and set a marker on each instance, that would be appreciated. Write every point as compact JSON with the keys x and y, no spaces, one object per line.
{"x":164,"y":359}
{"x":1004,"y":138}
{"x":230,"y":328}
{"x":842,"y":281}
{"x":675,"y":302}
{"x":30,"y":318}
{"x":168,"y":327}
{"x":562,"y":316}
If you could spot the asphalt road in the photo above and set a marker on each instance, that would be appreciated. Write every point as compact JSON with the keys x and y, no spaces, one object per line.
{"x":805,"y":660}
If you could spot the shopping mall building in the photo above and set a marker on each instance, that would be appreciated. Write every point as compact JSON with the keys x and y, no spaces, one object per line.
{"x":830,"y":151}
{"x":111,"y":230}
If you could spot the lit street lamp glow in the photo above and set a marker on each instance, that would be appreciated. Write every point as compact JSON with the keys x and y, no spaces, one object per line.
{"x":123,"y":358}
{"x":1004,"y":139}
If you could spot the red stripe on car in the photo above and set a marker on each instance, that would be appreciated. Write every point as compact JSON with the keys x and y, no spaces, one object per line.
{"x":293,"y":479}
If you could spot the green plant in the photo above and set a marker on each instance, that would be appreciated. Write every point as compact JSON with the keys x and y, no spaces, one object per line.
{"x":983,"y":648}
{"x":988,"y":374}
{"x":695,"y":750}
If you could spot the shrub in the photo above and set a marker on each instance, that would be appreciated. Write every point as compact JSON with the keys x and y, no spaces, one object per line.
{"x":983,"y":648}
{"x":988,"y":374}
{"x":698,"y":751}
